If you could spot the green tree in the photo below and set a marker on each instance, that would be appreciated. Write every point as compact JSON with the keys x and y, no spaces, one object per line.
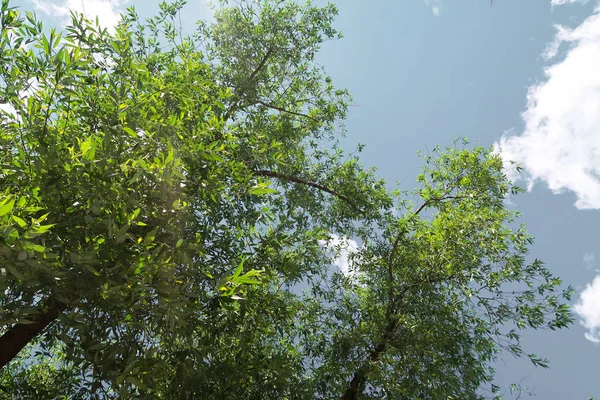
{"x":168,"y":211}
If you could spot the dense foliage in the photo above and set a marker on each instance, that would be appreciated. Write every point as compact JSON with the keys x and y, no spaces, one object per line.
{"x":171,"y":208}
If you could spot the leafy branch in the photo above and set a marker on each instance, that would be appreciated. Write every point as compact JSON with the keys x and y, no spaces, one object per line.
{"x":274,"y":107}
{"x":290,"y":178}
{"x":261,"y":65}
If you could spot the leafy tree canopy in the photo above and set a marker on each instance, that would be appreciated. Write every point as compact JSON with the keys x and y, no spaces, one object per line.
{"x":171,"y":206}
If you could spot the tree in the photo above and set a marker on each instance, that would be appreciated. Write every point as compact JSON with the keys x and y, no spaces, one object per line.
{"x":168,"y":210}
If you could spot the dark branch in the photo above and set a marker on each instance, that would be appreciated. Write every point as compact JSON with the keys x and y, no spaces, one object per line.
{"x":274,"y":107}
{"x":262,"y":63}
{"x":290,"y":178}
{"x":395,"y":245}
{"x":358,"y":379}
{"x":434,"y":199}
{"x":19,"y":335}
{"x":258,"y":68}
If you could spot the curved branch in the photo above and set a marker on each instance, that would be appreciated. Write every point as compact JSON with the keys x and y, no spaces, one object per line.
{"x":433,"y":199}
{"x":274,"y":107}
{"x":290,"y":178}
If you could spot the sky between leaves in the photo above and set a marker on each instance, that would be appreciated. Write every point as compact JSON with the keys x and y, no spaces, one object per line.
{"x":555,"y":135}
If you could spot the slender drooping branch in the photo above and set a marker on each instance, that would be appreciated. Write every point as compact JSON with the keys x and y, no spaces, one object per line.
{"x":19,"y":335}
{"x":290,"y":178}
{"x":262,"y":62}
{"x":274,"y":107}
{"x":258,"y":68}
{"x":434,"y":199}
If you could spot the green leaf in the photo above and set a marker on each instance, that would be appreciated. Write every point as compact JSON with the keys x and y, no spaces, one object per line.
{"x":45,"y":45}
{"x":245,"y":280}
{"x":21,"y":222}
{"x":42,"y":218}
{"x":239,"y":269}
{"x":91,"y":269}
{"x":6,"y":206}
{"x":121,"y":235}
{"x":261,"y":190}
{"x":135,"y":382}
{"x":254,"y":272}
{"x":150,"y":236}
{"x":130,"y":132}
{"x":221,"y":285}
{"x":14,"y":272}
{"x":23,"y":321}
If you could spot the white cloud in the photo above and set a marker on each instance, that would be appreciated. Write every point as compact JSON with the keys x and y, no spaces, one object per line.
{"x":107,"y":11}
{"x":344,"y":248}
{"x":589,"y":260}
{"x":560,"y":144}
{"x":9,"y":109}
{"x":588,"y":308}
{"x":435,"y":6}
{"x":561,"y":2}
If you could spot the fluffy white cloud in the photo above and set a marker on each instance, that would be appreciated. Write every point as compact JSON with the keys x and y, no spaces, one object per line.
{"x":344,"y":248}
{"x":107,"y":11}
{"x":435,"y":6}
{"x":588,"y":309}
{"x":560,"y":144}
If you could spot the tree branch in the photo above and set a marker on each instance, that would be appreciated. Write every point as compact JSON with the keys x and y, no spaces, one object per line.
{"x":274,"y":107}
{"x":444,"y":197}
{"x":290,"y":178}
{"x":262,"y":62}
{"x":258,"y":68}
{"x":417,"y":212}
{"x":358,"y":379}
{"x":19,"y":335}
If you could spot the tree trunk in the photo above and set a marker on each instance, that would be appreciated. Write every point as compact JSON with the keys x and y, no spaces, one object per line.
{"x":356,"y":385}
{"x":19,"y":335}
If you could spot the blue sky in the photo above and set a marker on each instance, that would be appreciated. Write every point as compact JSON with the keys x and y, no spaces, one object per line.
{"x":521,"y":75}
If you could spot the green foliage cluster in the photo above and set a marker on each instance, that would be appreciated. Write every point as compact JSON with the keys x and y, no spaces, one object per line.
{"x":167,"y":209}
